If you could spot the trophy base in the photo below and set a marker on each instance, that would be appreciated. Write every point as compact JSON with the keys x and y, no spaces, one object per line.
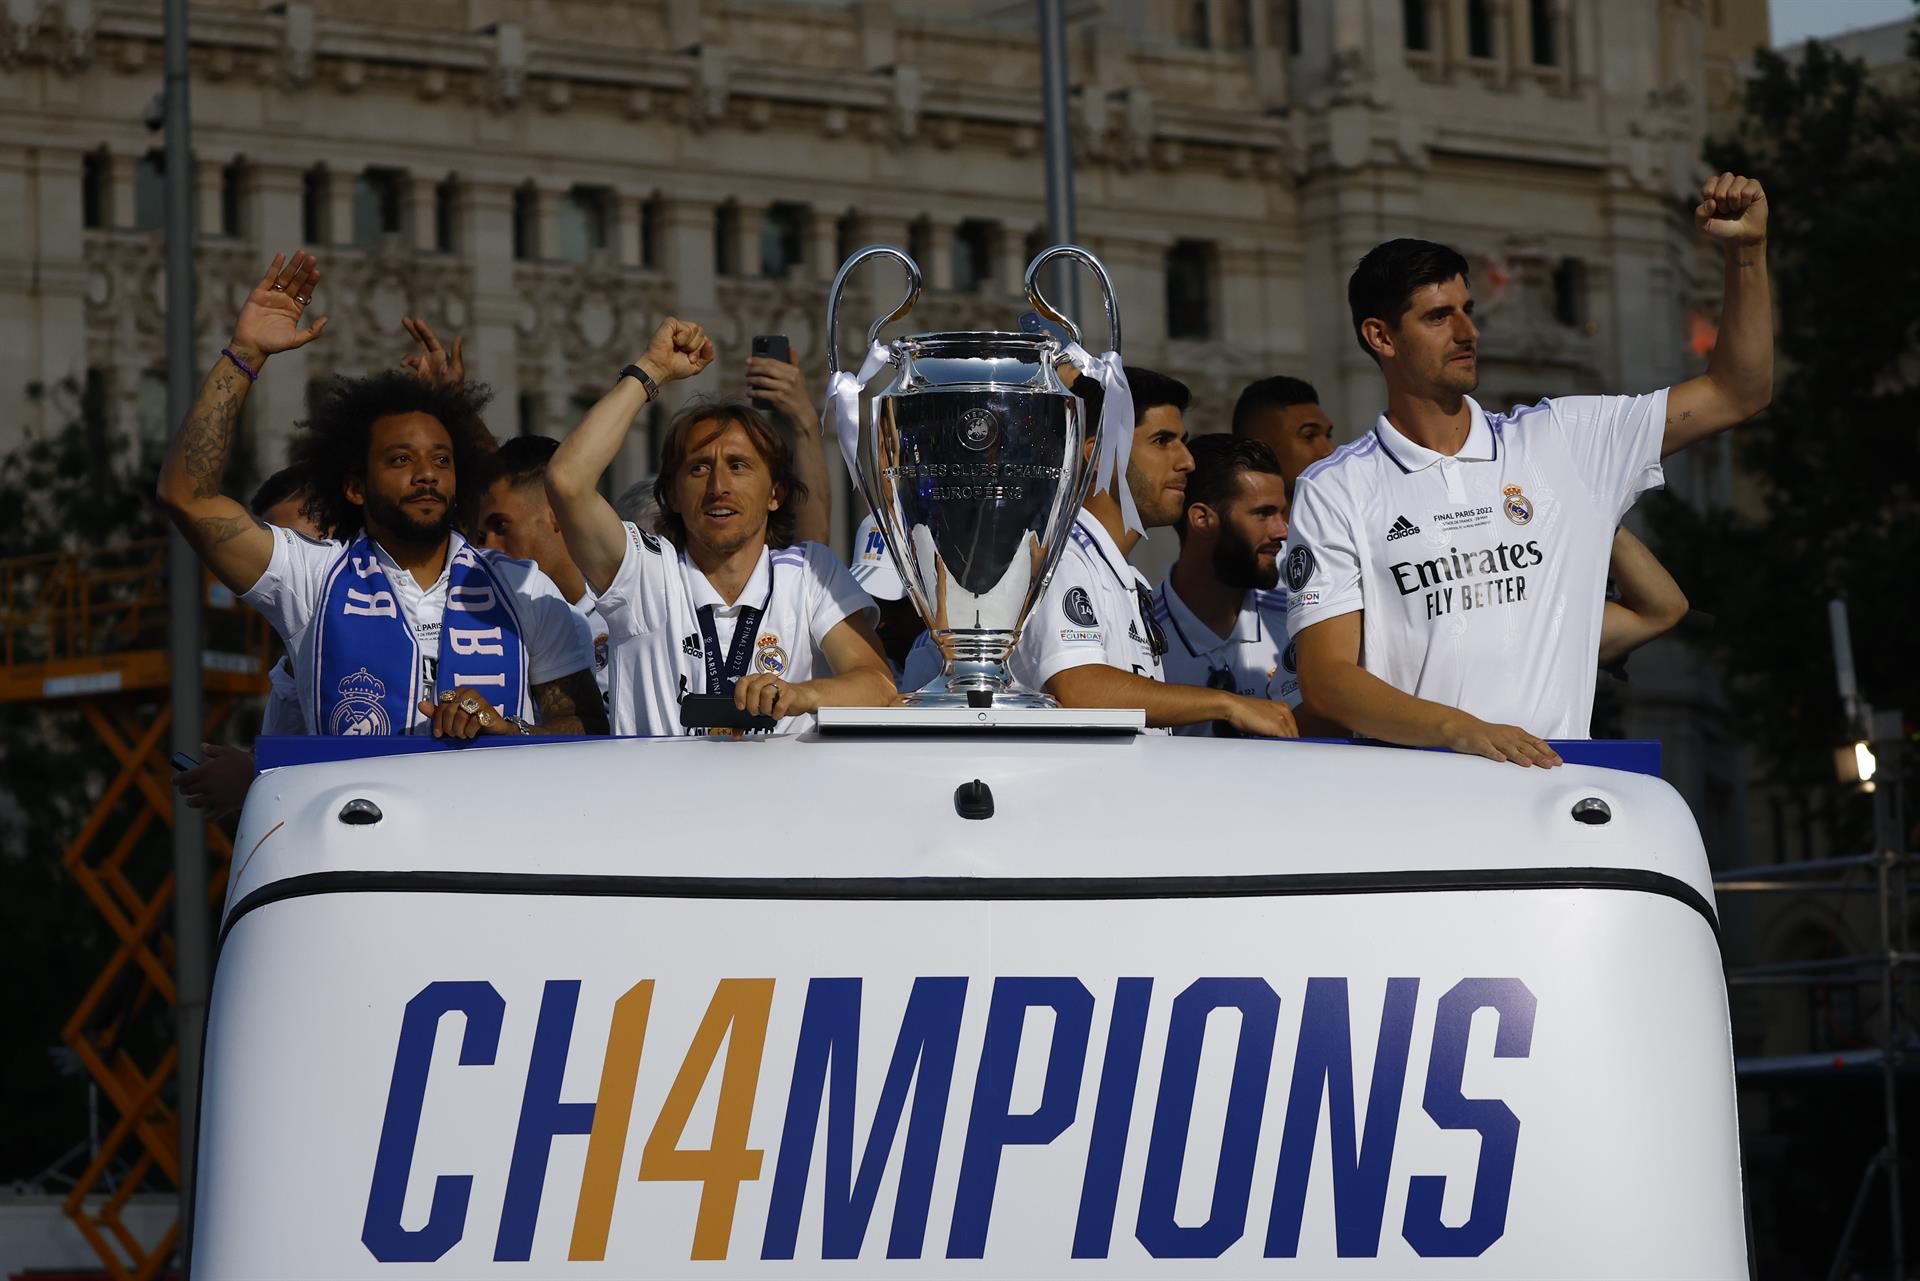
{"x":975,"y":683}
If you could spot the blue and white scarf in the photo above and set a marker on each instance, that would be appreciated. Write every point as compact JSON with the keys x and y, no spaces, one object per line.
{"x":366,"y":662}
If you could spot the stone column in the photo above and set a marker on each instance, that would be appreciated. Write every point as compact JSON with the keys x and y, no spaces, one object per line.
{"x":19,"y":331}
{"x":823,"y":245}
{"x":274,"y":195}
{"x":58,"y":252}
{"x":939,"y":271}
{"x":120,"y":189}
{"x":546,"y":221}
{"x":1139,"y":271}
{"x":422,"y":206}
{"x":209,"y":174}
{"x":629,"y":226}
{"x":1246,"y":323}
{"x":1502,"y":17}
{"x":484,"y":213}
{"x":687,"y":244}
{"x":746,"y":239}
{"x":339,"y":228}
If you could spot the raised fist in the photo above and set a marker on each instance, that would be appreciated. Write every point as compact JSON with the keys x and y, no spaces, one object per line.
{"x":1732,"y":210}
{"x":678,"y":349}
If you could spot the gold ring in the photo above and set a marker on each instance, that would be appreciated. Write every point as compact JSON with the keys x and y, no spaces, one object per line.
{"x":303,"y":299}
{"x":469,"y":705}
{"x":485,"y":719}
{"x":446,"y":696}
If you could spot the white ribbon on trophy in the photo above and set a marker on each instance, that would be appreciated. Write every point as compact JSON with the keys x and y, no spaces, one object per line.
{"x":842,"y":414}
{"x":1116,"y":427}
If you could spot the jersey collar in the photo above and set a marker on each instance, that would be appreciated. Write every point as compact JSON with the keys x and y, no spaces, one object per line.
{"x":1483,"y":443}
{"x":1191,"y":631}
{"x":756,"y":589}
{"x":397,"y":574}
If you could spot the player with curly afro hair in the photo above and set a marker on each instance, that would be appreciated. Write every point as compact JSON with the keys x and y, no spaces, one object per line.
{"x":359,"y":478}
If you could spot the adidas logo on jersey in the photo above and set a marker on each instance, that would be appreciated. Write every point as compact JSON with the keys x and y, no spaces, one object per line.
{"x":1402,"y":527}
{"x":690,"y":645}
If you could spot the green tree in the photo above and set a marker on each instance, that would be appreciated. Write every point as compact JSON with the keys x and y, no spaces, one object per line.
{"x":1836,"y":457}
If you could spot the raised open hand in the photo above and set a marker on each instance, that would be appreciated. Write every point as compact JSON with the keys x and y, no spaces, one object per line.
{"x":270,"y":320}
{"x":678,"y":349}
{"x":1732,"y":210}
{"x":433,"y":363}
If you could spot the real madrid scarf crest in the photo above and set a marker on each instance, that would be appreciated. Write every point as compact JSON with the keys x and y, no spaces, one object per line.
{"x":366,"y":663}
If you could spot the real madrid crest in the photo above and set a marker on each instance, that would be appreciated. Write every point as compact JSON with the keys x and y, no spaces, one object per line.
{"x":769,"y":657}
{"x":1516,"y":505}
{"x":361,"y":711}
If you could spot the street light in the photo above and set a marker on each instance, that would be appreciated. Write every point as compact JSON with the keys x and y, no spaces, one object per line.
{"x":1856,"y":764}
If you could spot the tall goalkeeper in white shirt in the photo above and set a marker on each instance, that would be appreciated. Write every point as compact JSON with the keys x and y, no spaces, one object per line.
{"x":1446,"y":570}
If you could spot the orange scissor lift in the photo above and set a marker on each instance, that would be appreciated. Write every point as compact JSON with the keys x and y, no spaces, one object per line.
{"x":86,"y":633}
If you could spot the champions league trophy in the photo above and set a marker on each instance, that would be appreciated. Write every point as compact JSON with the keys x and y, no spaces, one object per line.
{"x":974,"y":466}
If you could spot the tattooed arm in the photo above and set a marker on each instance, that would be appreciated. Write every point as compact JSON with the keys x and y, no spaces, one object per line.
{"x":232,"y":541}
{"x":570,"y":705}
{"x":1739,"y":378}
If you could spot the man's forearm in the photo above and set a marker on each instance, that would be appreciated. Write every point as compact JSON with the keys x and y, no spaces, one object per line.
{"x":1742,"y":360}
{"x":814,"y":517}
{"x":583,"y":457}
{"x":1347,"y":694}
{"x":866,"y":687}
{"x":196,"y":461}
{"x":1166,"y":706}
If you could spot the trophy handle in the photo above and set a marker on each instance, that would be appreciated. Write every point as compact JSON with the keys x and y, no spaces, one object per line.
{"x":839,"y":283}
{"x":1045,"y":308}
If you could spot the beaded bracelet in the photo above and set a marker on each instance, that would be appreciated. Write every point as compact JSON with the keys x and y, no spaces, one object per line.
{"x":253,"y":375}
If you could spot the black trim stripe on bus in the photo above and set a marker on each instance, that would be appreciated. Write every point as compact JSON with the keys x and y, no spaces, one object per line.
{"x":976,"y":888}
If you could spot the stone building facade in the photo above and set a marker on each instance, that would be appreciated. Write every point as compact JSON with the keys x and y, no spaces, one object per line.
{"x":549,"y":177}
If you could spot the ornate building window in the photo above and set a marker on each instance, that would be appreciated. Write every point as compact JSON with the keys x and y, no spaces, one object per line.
{"x":1190,"y":290}
{"x":1544,"y":24}
{"x":726,"y":224}
{"x":446,"y":207}
{"x":526,"y":218}
{"x":782,"y":239}
{"x":973,"y":255}
{"x":1570,"y":292}
{"x":95,"y":175}
{"x":1479,"y":29}
{"x":650,"y":217}
{"x":313,"y":201}
{"x":582,"y":219}
{"x":233,"y":187}
{"x":150,"y":191}
{"x":1413,"y":21}
{"x":377,"y":206}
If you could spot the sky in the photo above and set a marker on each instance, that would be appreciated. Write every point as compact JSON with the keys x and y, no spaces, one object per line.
{"x":1795,"y":20}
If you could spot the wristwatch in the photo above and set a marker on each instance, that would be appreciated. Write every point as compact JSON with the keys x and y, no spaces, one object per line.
{"x":525,"y":728}
{"x":652,"y":387}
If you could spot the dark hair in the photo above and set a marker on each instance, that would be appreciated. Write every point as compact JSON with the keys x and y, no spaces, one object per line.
{"x":1278,"y":392}
{"x":1152,"y":389}
{"x":332,"y":445}
{"x":1382,"y":285}
{"x":522,"y":460}
{"x":1218,"y":460}
{"x":288,"y":482}
{"x":782,"y":522}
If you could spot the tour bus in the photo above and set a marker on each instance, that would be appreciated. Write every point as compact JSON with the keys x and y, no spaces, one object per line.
{"x":964,"y":995}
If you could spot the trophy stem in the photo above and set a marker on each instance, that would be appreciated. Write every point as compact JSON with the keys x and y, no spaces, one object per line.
{"x":976,"y":666}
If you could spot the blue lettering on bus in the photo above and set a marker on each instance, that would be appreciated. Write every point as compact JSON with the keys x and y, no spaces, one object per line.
{"x":400,"y":1130}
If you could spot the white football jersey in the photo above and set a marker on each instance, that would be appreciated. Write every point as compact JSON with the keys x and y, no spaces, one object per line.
{"x":291,"y":591}
{"x":283,"y":714}
{"x":588,"y":607}
{"x":1096,"y":609}
{"x":1481,"y":575}
{"x":1256,"y":660}
{"x":658,"y":655}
